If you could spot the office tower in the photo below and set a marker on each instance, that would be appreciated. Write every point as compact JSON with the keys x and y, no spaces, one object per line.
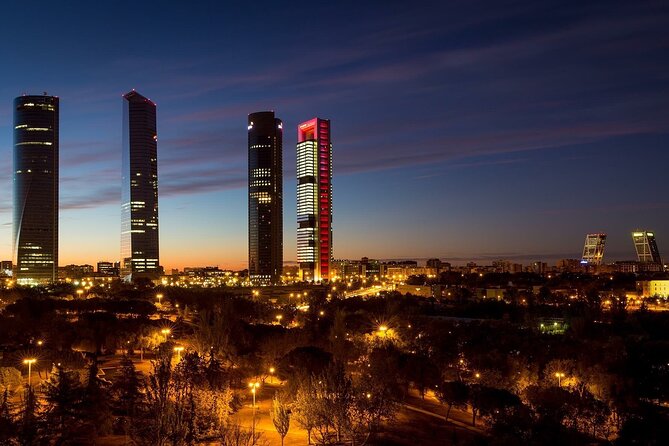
{"x":265,"y":140}
{"x":35,"y":225}
{"x":139,"y":194}
{"x":314,"y":199}
{"x":593,"y":249}
{"x":646,"y":247}
{"x":108,"y":268}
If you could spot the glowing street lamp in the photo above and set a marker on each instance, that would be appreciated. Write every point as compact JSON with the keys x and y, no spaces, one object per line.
{"x":559,"y":376}
{"x":166,"y":332}
{"x":254,"y":386}
{"x":178,"y":350}
{"x":159,"y":296}
{"x":278,"y":318}
{"x":30,"y":362}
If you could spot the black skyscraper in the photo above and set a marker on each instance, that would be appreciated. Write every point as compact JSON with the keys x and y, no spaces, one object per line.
{"x":36,"y":189}
{"x":265,"y":198}
{"x":139,"y":196}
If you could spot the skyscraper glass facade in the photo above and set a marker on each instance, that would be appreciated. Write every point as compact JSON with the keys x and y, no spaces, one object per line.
{"x":265,"y":150}
{"x":139,"y":196}
{"x":35,"y":224}
{"x":314,"y":199}
{"x":593,"y":249}
{"x":646,"y":247}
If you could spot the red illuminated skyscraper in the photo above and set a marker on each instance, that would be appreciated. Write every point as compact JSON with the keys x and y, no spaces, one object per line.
{"x":314,"y":199}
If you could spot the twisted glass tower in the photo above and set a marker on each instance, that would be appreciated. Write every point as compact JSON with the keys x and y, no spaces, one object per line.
{"x":139,"y":195}
{"x":35,"y":224}
{"x":265,"y":141}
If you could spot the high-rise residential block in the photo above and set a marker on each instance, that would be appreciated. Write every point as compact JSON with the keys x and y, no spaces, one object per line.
{"x":35,"y":224}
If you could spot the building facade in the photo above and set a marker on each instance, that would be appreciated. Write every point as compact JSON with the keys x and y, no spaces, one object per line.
{"x":35,"y":223}
{"x":653,"y":288}
{"x":314,"y":199}
{"x":139,"y":196}
{"x":646,"y":247}
{"x":593,"y":249}
{"x":265,"y":172}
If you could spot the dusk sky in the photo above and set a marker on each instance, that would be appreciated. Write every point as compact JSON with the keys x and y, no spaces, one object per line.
{"x":460,"y":129}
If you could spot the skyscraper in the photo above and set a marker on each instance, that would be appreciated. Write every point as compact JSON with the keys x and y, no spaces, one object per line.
{"x":646,"y":247}
{"x":35,"y":225}
{"x":593,"y":250}
{"x":314,"y":199}
{"x":139,"y":195}
{"x":265,"y":141}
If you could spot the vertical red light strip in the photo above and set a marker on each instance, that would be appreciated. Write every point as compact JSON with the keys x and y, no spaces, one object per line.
{"x":323,"y":136}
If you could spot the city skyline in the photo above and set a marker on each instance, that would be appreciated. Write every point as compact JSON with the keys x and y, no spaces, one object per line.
{"x":434,"y":158}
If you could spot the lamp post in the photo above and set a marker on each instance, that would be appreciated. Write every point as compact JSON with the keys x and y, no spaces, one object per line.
{"x":159,"y":296}
{"x":30,"y":362}
{"x":165,"y":332}
{"x":559,"y":376}
{"x":254,"y":386}
{"x":178,"y":349}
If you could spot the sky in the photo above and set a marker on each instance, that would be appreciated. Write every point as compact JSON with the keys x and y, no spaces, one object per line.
{"x":461,"y":129}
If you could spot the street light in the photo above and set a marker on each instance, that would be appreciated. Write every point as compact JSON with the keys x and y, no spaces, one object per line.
{"x":178,"y":350}
{"x":165,"y":332}
{"x":559,"y":376}
{"x":30,"y":362}
{"x":278,"y":318}
{"x":253,"y":386}
{"x":159,"y":296}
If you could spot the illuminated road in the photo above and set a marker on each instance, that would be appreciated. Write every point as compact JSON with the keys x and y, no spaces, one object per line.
{"x":369,"y":291}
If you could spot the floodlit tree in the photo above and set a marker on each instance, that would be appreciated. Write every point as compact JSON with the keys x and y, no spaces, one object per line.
{"x":280,"y":415}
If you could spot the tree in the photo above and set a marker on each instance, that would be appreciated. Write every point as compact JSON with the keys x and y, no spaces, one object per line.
{"x":95,"y":404}
{"x":235,"y":435}
{"x":153,"y":426}
{"x":7,"y":426}
{"x":280,"y":415}
{"x":63,"y":396}
{"x":453,"y":393}
{"x":126,"y":389}
{"x":10,"y":378}
{"x":28,"y":425}
{"x":421,"y":371}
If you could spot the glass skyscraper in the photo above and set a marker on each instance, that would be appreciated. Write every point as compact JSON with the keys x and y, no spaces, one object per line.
{"x":35,"y":225}
{"x":139,"y":196}
{"x":265,"y":145}
{"x":314,"y":199}
{"x":646,"y":247}
{"x":593,"y":249}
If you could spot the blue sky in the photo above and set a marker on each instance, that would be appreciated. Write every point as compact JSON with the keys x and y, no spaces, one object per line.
{"x":461,"y":129}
